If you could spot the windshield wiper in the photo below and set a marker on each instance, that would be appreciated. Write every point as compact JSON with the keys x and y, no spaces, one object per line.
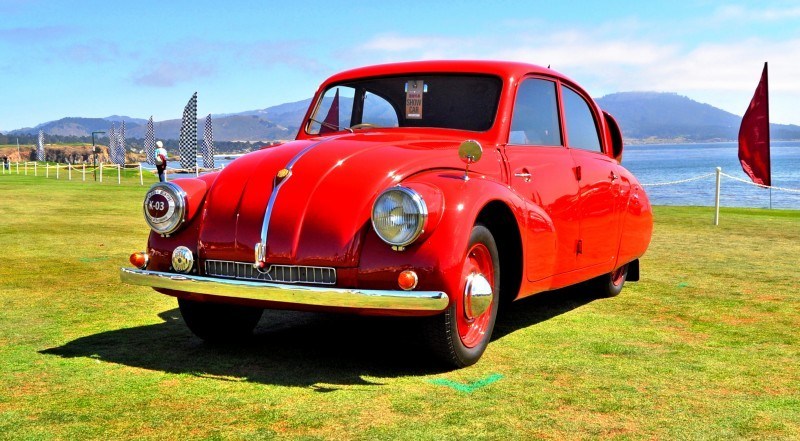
{"x":331,"y":126}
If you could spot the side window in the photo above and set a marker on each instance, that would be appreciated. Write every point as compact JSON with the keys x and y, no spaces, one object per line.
{"x":535,"y":120}
{"x":581,"y":127}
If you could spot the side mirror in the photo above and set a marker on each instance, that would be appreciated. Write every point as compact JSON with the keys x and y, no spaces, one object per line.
{"x":470,"y":152}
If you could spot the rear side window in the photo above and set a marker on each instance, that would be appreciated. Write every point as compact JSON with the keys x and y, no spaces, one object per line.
{"x":535,"y":120}
{"x":581,"y":126}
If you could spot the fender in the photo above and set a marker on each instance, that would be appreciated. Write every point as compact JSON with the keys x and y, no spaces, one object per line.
{"x":637,"y":224}
{"x":438,"y":258}
{"x":160,"y":248}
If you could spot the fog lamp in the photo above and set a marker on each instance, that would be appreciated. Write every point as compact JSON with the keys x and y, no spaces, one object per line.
{"x":407,"y":280}
{"x":182,"y":260}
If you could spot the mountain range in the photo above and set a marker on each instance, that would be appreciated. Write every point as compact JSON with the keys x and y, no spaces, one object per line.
{"x":643,"y":116}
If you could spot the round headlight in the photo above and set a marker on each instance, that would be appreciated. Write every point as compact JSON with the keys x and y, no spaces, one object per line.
{"x":398,"y":216}
{"x":164,"y":207}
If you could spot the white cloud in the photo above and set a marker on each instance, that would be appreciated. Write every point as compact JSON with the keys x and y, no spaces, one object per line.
{"x":736,"y":12}
{"x":168,"y":74}
{"x":721,"y":74}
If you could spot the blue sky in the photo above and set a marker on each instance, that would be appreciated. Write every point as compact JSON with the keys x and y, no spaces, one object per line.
{"x":142,"y":58}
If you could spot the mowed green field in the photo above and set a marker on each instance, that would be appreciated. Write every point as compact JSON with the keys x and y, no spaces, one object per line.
{"x":705,"y":346}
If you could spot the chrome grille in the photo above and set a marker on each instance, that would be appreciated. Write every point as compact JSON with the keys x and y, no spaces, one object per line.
{"x":275,"y":273}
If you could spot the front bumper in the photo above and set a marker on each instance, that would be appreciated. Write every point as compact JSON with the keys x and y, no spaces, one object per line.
{"x":310,"y":296}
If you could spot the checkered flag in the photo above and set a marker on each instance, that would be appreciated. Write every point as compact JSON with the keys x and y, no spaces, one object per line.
{"x":150,"y":142}
{"x":40,"y":147}
{"x":120,"y":145}
{"x":187,"y":147}
{"x":208,"y":142}
{"x":112,"y":144}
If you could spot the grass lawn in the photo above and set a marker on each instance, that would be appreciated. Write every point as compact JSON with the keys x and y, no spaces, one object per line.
{"x":705,"y":346}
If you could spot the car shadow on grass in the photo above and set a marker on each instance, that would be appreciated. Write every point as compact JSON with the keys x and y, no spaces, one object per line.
{"x":301,"y":349}
{"x":539,"y":308}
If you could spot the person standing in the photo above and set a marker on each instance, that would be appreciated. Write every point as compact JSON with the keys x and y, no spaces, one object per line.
{"x":160,"y":160}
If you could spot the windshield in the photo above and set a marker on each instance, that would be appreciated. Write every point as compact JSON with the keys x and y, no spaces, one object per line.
{"x":445,"y":101}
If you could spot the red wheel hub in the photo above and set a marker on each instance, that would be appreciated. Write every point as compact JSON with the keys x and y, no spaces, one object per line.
{"x":618,"y":275}
{"x":471,"y":330}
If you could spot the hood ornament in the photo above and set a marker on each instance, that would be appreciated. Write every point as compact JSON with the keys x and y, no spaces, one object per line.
{"x":282,"y":174}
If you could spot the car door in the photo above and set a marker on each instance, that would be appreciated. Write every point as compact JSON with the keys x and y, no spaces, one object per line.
{"x":599,"y":182}
{"x":542,"y":172}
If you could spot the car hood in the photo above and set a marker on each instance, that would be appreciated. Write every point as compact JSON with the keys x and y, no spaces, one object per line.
{"x":319,"y":214}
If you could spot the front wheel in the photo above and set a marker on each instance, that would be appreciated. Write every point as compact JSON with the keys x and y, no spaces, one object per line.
{"x":461,"y":334}
{"x":217,"y":322}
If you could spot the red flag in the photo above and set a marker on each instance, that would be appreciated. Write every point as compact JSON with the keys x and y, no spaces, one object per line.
{"x":332,"y":119}
{"x":754,"y":135}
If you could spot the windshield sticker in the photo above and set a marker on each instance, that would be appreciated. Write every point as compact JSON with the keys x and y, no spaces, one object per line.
{"x":414,"y":90}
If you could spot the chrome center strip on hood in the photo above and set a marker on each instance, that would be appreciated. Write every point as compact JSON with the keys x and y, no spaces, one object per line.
{"x":261,"y":247}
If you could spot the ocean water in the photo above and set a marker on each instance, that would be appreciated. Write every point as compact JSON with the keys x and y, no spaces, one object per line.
{"x":654,"y":164}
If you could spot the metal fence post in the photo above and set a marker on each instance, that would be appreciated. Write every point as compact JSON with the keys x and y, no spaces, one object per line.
{"x":101,"y":172}
{"x":84,"y":172}
{"x":716,"y":197}
{"x":141,"y":178}
{"x":119,"y":179}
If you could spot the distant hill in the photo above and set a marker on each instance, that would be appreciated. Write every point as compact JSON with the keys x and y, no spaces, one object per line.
{"x":287,"y":115}
{"x":128,"y":120}
{"x":669,"y":116}
{"x":643,"y":116}
{"x":71,"y":126}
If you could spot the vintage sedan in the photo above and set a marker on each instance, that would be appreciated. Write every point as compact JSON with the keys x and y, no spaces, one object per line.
{"x":437,"y":189}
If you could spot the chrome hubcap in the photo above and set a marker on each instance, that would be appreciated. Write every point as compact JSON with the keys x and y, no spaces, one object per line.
{"x":477,"y":296}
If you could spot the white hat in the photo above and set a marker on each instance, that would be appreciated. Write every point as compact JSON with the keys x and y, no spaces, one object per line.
{"x":159,"y":144}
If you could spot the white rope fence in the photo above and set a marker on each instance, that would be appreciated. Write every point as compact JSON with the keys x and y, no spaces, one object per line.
{"x":98,"y":171}
{"x":719,"y":174}
{"x":682,"y":181}
{"x":790,"y":190}
{"x":103,"y":169}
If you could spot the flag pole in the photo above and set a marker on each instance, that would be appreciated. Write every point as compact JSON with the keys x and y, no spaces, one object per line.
{"x":716,"y":197}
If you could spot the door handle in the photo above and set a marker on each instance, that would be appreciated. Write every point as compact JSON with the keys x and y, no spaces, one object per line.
{"x":523,"y":175}
{"x":613,"y":176}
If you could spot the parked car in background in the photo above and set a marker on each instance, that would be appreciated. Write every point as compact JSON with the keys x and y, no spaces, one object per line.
{"x":437,"y":189}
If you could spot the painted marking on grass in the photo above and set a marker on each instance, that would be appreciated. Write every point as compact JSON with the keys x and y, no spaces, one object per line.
{"x":468,"y":388}
{"x":683,"y":285}
{"x":92,"y":259}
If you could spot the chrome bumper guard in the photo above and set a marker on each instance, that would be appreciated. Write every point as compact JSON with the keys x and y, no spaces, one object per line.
{"x":290,"y":294}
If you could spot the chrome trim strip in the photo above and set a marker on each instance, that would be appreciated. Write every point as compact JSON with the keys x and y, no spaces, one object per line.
{"x":260,"y":248}
{"x":351,"y":298}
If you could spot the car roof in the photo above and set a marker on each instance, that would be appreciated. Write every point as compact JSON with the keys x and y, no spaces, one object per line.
{"x":503,"y":69}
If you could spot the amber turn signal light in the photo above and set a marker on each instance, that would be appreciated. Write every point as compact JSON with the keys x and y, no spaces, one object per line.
{"x":140,"y":259}
{"x":407,"y":280}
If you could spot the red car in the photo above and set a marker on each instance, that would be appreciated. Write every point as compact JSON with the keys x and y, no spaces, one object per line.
{"x":440,"y":189}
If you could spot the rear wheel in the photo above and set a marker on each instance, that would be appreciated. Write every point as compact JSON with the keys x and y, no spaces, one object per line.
{"x":217,"y":322}
{"x":461,"y":334}
{"x":610,"y":285}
